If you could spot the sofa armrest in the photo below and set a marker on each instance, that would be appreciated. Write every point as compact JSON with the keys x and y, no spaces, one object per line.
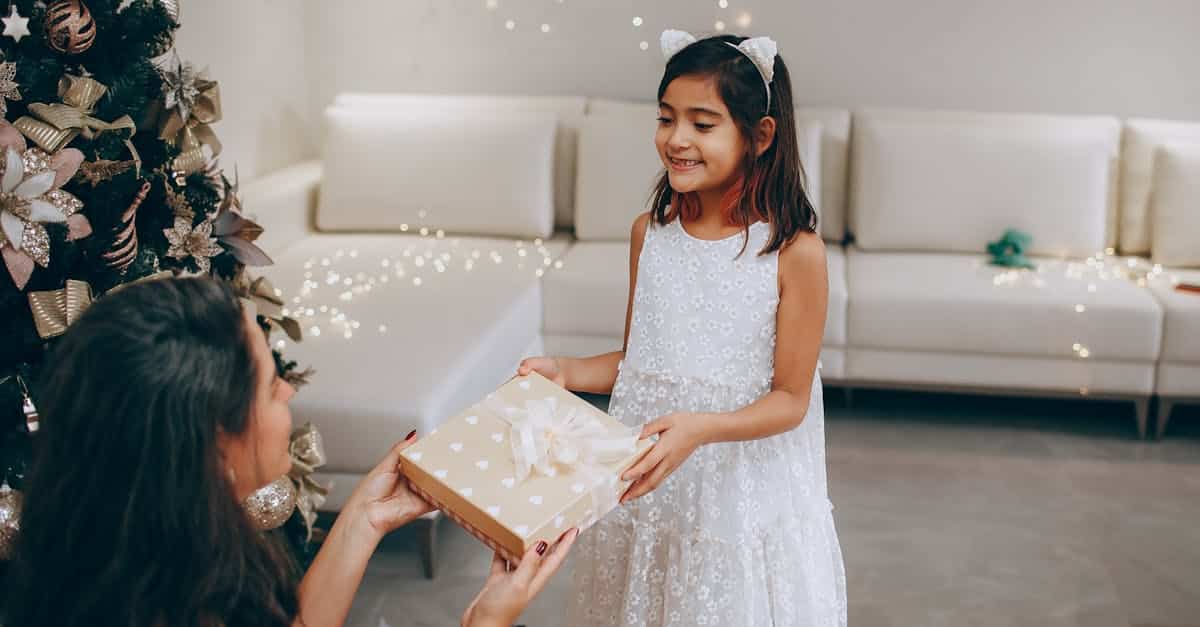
{"x":283,"y":203}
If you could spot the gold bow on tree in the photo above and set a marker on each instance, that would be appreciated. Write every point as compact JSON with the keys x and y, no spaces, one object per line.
{"x":189,"y":105}
{"x":53,"y":126}
{"x":55,"y":310}
{"x":308,"y":454}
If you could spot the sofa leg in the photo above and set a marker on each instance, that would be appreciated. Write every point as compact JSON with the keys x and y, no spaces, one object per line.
{"x":1164,"y":414}
{"x":1141,"y":408}
{"x":427,"y":538}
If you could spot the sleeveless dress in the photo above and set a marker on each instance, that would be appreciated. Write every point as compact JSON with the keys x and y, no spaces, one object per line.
{"x":742,"y":533}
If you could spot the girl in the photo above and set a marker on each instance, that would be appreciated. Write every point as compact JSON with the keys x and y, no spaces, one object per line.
{"x":162,"y":412}
{"x":731,"y":524}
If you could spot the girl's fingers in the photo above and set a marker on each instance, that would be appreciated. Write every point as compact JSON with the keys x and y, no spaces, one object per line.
{"x":658,"y":425}
{"x":648,"y":461}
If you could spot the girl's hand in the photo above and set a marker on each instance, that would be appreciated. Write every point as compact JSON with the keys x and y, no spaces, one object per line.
{"x":383,"y":502}
{"x":549,"y":367}
{"x":506,"y":592}
{"x":680,"y":434}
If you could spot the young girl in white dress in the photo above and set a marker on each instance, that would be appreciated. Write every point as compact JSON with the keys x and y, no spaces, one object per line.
{"x":728,"y":521}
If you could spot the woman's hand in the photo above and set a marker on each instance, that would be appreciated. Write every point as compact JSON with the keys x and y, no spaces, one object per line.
{"x":383,"y":502}
{"x":680,"y":435}
{"x":506,"y":592}
{"x":549,"y":367}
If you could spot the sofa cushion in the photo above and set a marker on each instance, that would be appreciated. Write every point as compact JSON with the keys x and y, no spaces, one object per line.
{"x":952,"y":182}
{"x":950,"y":303}
{"x":568,"y":110}
{"x":589,"y":294}
{"x":619,"y":166}
{"x":416,"y":354}
{"x":1175,"y":217}
{"x":1181,"y":319}
{"x":388,"y":170}
{"x":1141,"y":140}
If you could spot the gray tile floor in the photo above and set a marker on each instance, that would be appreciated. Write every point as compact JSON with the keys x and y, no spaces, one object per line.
{"x":954,"y":511}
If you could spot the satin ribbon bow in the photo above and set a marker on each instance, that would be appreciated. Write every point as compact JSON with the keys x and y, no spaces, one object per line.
{"x":55,"y":310}
{"x":190,"y":135}
{"x":53,"y":126}
{"x":546,"y":436}
{"x":307,"y":450}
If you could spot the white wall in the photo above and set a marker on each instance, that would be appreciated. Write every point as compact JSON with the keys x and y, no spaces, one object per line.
{"x":1123,"y":57}
{"x":256,"y":50}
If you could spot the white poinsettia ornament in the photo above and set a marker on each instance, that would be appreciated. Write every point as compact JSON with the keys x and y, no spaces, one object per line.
{"x":30,"y":199}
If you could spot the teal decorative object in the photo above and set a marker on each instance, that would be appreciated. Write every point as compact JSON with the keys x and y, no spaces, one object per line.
{"x":1009,"y":250}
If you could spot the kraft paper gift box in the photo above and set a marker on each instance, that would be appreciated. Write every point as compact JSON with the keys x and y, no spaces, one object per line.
{"x":525,"y":464}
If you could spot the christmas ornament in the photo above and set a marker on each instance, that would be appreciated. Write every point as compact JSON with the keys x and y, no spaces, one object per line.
{"x":70,"y":28}
{"x":27,"y":407}
{"x":196,"y":242}
{"x":53,"y":126}
{"x":16,"y":26}
{"x":265,"y":301}
{"x":9,"y":90}
{"x":10,"y":520}
{"x":55,"y":310}
{"x":1009,"y":250}
{"x":30,"y":198}
{"x":190,"y":103}
{"x":102,"y":170}
{"x":236,"y":232}
{"x":271,"y":506}
{"x":180,"y":207}
{"x":124,"y":248}
{"x":308,"y":454}
{"x":172,"y":9}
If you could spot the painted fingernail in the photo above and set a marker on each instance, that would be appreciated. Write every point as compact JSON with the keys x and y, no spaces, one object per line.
{"x":541,"y":547}
{"x":410,"y":435}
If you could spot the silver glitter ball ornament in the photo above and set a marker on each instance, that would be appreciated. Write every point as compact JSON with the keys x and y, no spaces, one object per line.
{"x":273,"y":504}
{"x":10,"y":520}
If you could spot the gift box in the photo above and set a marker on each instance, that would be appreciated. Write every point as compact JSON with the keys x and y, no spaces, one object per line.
{"x":525,"y":464}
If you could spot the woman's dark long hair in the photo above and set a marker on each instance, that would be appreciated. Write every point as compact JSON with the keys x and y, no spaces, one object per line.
{"x":772,"y":185}
{"x":130,"y":518}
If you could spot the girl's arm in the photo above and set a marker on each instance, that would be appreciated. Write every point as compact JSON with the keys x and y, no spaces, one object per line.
{"x":800,"y":325}
{"x":598,"y":373}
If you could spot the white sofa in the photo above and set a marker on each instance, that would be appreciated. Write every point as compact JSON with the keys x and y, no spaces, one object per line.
{"x":528,"y":204}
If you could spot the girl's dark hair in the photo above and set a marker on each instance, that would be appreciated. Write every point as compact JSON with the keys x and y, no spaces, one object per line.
{"x":772,"y":185}
{"x":130,"y":518}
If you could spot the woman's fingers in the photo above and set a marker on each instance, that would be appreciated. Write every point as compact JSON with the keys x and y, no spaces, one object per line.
{"x":392,"y":459}
{"x":499,"y":564}
{"x":647,"y":482}
{"x":529,"y":565}
{"x":648,"y":461}
{"x":553,"y":561}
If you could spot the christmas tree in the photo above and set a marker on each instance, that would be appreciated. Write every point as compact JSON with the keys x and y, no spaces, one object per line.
{"x":109,"y":175}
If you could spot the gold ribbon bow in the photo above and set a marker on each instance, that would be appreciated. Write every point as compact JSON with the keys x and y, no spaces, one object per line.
{"x":260,"y":296}
{"x":192,"y":134}
{"x":308,"y":454}
{"x":53,"y":126}
{"x":55,"y":310}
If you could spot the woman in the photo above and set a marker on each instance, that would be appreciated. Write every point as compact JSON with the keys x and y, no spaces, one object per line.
{"x":162,"y":412}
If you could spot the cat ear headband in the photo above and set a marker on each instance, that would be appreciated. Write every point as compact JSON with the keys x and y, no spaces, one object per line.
{"x":760,"y":50}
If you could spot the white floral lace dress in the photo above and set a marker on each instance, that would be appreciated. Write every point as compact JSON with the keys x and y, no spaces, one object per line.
{"x":742,"y":533}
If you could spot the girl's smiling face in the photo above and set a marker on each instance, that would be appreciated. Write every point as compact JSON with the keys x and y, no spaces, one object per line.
{"x":697,"y":139}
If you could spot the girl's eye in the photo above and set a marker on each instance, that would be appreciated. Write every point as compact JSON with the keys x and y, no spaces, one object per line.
{"x":704,"y":127}
{"x":664,"y":120}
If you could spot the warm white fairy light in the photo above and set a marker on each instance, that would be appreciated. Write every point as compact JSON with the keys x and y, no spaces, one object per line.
{"x":510,"y":25}
{"x":719,"y":26}
{"x":545,"y":28}
{"x":637,"y":20}
{"x":492,"y":4}
{"x":744,"y":19}
{"x":724,"y":4}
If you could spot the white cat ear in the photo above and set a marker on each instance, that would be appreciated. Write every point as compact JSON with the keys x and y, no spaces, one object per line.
{"x":673,"y":41}
{"x":762,"y":51}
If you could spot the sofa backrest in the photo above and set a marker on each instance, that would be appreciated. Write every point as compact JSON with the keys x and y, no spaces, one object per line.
{"x":953,"y":181}
{"x":1140,"y":143}
{"x":618,"y":166}
{"x":568,"y":110}
{"x":396,"y":169}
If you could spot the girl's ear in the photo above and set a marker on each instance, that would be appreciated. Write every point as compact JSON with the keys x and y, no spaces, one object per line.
{"x":764,"y":135}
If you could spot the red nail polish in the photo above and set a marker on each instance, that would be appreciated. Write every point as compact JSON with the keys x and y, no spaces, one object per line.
{"x":410,"y":435}
{"x":541,"y":547}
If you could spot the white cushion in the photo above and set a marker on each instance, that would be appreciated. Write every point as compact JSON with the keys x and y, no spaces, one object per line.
{"x":480,"y":174}
{"x":446,"y":343}
{"x":831,"y":166}
{"x":959,"y":304}
{"x":952,"y":182}
{"x":569,"y":110}
{"x":999,"y":372}
{"x":589,"y":294}
{"x":1175,"y":216}
{"x":1181,"y":321}
{"x":1178,"y":380}
{"x":619,"y":166}
{"x":1141,"y":140}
